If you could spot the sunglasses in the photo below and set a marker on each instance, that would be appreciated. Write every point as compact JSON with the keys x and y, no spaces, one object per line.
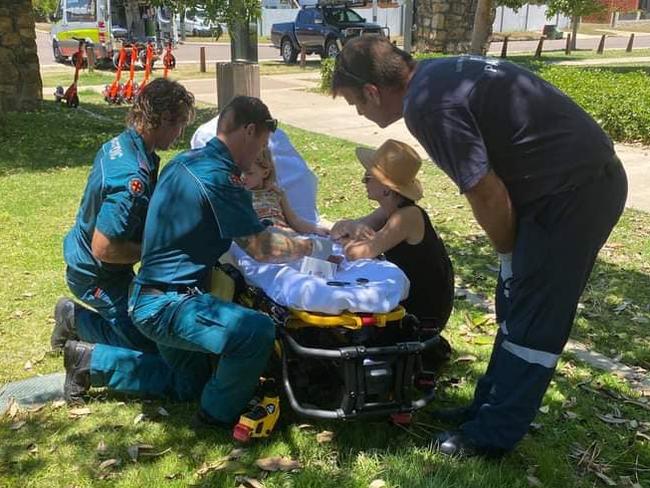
{"x":341,"y":68}
{"x":271,"y":124}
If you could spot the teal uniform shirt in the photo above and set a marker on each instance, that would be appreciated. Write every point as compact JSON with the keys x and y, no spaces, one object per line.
{"x":199,"y":206}
{"x":115,"y":201}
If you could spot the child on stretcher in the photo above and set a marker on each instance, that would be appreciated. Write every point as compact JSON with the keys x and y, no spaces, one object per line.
{"x":270,"y":202}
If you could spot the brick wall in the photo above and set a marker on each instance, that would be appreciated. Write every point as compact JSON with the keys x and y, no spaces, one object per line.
{"x":611,"y":6}
{"x":21,"y":87}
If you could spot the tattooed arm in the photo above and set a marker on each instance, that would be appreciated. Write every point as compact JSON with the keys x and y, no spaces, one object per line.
{"x":272,"y":246}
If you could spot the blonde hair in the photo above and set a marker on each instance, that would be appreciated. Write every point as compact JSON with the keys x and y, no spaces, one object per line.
{"x":265,"y":161}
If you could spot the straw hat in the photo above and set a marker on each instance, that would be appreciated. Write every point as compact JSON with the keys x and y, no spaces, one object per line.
{"x":395,"y":165}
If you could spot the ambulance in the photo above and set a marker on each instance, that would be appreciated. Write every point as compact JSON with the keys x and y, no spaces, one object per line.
{"x":105,"y":24}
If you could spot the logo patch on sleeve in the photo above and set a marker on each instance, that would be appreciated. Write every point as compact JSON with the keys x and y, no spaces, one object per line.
{"x":136,"y":187}
{"x":236,"y":180}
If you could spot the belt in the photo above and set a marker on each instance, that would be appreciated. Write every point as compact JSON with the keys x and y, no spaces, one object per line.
{"x":162,"y":289}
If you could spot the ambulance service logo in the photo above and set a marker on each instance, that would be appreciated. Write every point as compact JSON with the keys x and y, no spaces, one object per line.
{"x":136,"y":187}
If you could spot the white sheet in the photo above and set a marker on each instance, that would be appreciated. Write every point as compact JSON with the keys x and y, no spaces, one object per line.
{"x":387,"y":285}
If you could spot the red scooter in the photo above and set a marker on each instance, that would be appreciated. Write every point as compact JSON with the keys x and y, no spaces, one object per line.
{"x":71,"y":96}
{"x":169,"y":61}
{"x":113,"y":92}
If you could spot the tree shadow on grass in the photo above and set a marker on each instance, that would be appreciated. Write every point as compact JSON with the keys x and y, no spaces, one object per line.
{"x":56,"y":136}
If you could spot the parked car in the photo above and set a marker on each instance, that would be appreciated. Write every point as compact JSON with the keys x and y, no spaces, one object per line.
{"x":320,"y":29}
{"x":197,"y":25}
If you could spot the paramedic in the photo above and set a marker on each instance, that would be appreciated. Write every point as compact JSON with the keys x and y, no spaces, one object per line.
{"x":105,"y":241}
{"x":535,"y":169}
{"x":200,"y":206}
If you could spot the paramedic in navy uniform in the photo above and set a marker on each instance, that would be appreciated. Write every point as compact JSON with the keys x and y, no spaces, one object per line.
{"x":104,"y":243}
{"x":544,"y":183}
{"x":200,"y":206}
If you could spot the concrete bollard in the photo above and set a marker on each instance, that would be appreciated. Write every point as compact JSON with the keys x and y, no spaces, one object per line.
{"x":601,"y":44}
{"x":504,"y":48}
{"x":630,"y":43}
{"x":540,"y":46}
{"x":202,"y":59}
{"x":567,"y":48}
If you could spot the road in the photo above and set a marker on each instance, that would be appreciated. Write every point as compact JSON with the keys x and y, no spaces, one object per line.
{"x":189,"y":52}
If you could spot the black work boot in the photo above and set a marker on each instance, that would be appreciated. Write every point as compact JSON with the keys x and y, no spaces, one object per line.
{"x":76,"y":360}
{"x":64,"y":329}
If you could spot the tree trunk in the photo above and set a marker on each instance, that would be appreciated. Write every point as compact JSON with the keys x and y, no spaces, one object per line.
{"x":21,"y":87}
{"x":482,"y":26}
{"x":575,"y":23}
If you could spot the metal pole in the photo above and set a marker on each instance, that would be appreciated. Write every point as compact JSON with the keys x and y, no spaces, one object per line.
{"x":374,"y":11}
{"x":408,"y":25}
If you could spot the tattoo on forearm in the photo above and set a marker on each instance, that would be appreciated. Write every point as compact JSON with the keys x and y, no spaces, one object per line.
{"x":274,"y":247}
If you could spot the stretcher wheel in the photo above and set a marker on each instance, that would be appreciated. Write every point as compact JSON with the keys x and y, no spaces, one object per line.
{"x":242,"y":433}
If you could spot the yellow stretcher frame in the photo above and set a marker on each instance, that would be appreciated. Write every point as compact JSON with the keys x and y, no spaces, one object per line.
{"x":300,"y":319}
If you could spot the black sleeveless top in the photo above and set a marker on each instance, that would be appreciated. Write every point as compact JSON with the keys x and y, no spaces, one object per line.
{"x":430,"y":272}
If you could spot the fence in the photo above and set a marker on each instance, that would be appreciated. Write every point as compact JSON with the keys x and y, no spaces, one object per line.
{"x":527,"y":18}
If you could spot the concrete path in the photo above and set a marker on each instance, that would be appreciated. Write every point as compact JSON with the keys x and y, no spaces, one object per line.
{"x":290,"y":100}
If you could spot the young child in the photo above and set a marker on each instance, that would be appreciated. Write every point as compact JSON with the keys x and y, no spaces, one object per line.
{"x":270,"y":202}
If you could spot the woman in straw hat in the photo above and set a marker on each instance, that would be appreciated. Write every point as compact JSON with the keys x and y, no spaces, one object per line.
{"x":405,"y":234}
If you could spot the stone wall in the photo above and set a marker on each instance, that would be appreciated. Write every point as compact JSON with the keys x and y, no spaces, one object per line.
{"x":443,"y":25}
{"x":21,"y":87}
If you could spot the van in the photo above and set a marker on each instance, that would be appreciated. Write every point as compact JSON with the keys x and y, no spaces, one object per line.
{"x":104,"y":23}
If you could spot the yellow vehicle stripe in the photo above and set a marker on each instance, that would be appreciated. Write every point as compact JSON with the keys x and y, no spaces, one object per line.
{"x":92,"y":34}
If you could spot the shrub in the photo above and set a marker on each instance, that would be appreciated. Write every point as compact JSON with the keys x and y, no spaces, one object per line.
{"x":326,"y":71}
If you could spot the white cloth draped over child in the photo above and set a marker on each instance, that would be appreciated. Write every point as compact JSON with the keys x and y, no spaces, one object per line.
{"x":381,"y":286}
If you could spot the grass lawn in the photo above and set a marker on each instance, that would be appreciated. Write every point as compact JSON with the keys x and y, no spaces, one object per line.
{"x":44,"y":161}
{"x":63,"y":76}
{"x":623,"y":28}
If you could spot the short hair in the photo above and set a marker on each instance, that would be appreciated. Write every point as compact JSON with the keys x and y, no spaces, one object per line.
{"x":265,"y":161}
{"x":243,"y":110}
{"x":161,"y":98}
{"x":371,"y":60}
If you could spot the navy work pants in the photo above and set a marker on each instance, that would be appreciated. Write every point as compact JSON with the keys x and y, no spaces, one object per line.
{"x":558,"y":239}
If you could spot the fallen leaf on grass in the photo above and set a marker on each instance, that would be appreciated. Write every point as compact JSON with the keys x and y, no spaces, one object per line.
{"x":466,"y":359}
{"x":163,"y":412}
{"x":17,"y":425}
{"x":173,"y":476}
{"x":534,"y":481}
{"x":32,"y":448}
{"x":377,"y":484}
{"x":570,"y":415}
{"x":325,"y":436}
{"x":544,"y":409}
{"x":101,"y":448}
{"x":139,"y":418}
{"x":36,"y":408}
{"x":235,"y":454}
{"x":28,"y":365}
{"x":305,"y":427}
{"x":223,"y":464}
{"x":605,"y":479}
{"x":611,"y":420}
{"x":79,"y":412}
{"x":58,"y":403}
{"x":277,"y":463}
{"x":246,"y":482}
{"x":109,"y":463}
{"x":483,"y":340}
{"x":13,"y":408}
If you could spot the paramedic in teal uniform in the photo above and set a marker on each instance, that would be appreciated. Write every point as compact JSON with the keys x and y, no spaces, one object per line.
{"x":200,"y":206}
{"x":105,"y":241}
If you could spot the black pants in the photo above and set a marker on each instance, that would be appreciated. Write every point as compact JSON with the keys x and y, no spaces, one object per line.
{"x":558,"y":239}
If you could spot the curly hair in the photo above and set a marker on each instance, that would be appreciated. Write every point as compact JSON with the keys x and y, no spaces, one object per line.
{"x":161,"y":99}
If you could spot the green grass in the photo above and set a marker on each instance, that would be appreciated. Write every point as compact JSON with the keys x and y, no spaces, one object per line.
{"x":623,"y":28}
{"x":64,"y":76}
{"x":44,"y":161}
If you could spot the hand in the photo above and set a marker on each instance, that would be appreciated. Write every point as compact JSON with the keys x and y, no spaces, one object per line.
{"x":349,"y":229}
{"x":321,"y":231}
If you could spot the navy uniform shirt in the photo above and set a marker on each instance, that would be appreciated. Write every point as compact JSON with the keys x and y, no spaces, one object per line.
{"x":473,"y":114}
{"x":114,"y":202}
{"x":199,"y":206}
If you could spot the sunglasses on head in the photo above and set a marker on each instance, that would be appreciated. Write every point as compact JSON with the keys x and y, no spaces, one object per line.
{"x":341,"y":68}
{"x":271,"y":124}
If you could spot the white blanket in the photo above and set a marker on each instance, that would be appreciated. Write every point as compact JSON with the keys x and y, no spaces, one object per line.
{"x":387,"y":285}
